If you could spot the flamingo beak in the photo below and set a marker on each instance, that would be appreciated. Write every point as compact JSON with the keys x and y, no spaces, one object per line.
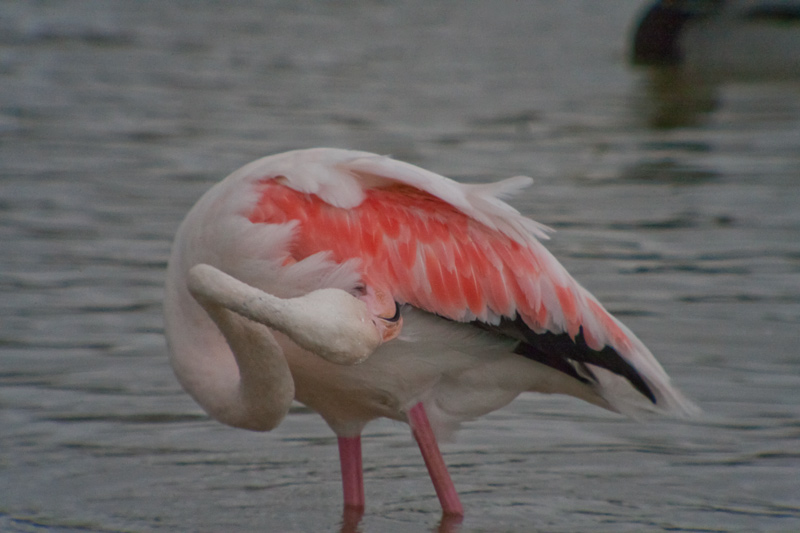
{"x":385,"y":312}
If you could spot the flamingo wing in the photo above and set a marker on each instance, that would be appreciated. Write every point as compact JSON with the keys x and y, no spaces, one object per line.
{"x":460,"y":252}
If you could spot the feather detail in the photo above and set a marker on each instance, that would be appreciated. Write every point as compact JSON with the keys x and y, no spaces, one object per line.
{"x":455,"y":250}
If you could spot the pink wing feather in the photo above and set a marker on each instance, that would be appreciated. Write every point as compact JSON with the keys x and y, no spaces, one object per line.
{"x":464,"y":263}
{"x":432,"y":256}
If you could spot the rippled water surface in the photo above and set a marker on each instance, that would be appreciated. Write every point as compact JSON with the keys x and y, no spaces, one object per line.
{"x":682,"y":214}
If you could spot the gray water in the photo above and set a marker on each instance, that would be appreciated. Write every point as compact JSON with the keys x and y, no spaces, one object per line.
{"x":682,"y":216}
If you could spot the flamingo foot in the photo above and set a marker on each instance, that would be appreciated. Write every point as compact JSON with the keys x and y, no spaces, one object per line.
{"x":442,"y":483}
{"x":351,"y":517}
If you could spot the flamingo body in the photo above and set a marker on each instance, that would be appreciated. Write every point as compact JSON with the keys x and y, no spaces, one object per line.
{"x":457,"y":304}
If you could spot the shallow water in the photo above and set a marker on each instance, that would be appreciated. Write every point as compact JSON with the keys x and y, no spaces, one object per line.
{"x":682,"y":217}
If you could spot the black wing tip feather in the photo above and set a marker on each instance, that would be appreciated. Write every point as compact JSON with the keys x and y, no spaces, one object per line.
{"x":566,"y":354}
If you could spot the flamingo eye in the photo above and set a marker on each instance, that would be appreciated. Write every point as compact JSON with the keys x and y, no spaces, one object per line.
{"x":396,"y":316}
{"x":359,"y":290}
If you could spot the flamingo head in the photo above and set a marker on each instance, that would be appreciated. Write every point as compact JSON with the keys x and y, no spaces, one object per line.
{"x":384,"y":310}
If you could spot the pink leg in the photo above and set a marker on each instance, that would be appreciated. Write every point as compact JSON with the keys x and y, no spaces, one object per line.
{"x":442,"y":483}
{"x":352,"y":473}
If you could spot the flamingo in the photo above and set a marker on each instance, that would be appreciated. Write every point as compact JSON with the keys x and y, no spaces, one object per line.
{"x":721,"y":39}
{"x":366,"y":287}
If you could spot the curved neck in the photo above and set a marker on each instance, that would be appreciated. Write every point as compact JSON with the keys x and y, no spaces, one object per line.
{"x":233,"y":367}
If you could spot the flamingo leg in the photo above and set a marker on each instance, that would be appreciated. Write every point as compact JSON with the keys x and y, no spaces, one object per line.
{"x":352,"y":472}
{"x":445,"y":490}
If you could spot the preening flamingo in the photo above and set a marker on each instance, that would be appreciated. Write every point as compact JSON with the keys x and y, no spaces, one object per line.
{"x":365,"y":287}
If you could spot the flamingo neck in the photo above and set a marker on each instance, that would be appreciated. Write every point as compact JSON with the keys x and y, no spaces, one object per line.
{"x":232,"y":367}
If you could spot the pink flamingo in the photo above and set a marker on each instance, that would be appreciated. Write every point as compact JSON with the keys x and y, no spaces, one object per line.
{"x":365,"y":287}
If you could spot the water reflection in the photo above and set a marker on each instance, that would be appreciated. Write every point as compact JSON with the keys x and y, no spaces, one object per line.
{"x":351,"y":517}
{"x":675,"y":99}
{"x":352,"y":522}
{"x":668,"y":170}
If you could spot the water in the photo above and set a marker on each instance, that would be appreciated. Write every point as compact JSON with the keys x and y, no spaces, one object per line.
{"x":684,"y":218}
